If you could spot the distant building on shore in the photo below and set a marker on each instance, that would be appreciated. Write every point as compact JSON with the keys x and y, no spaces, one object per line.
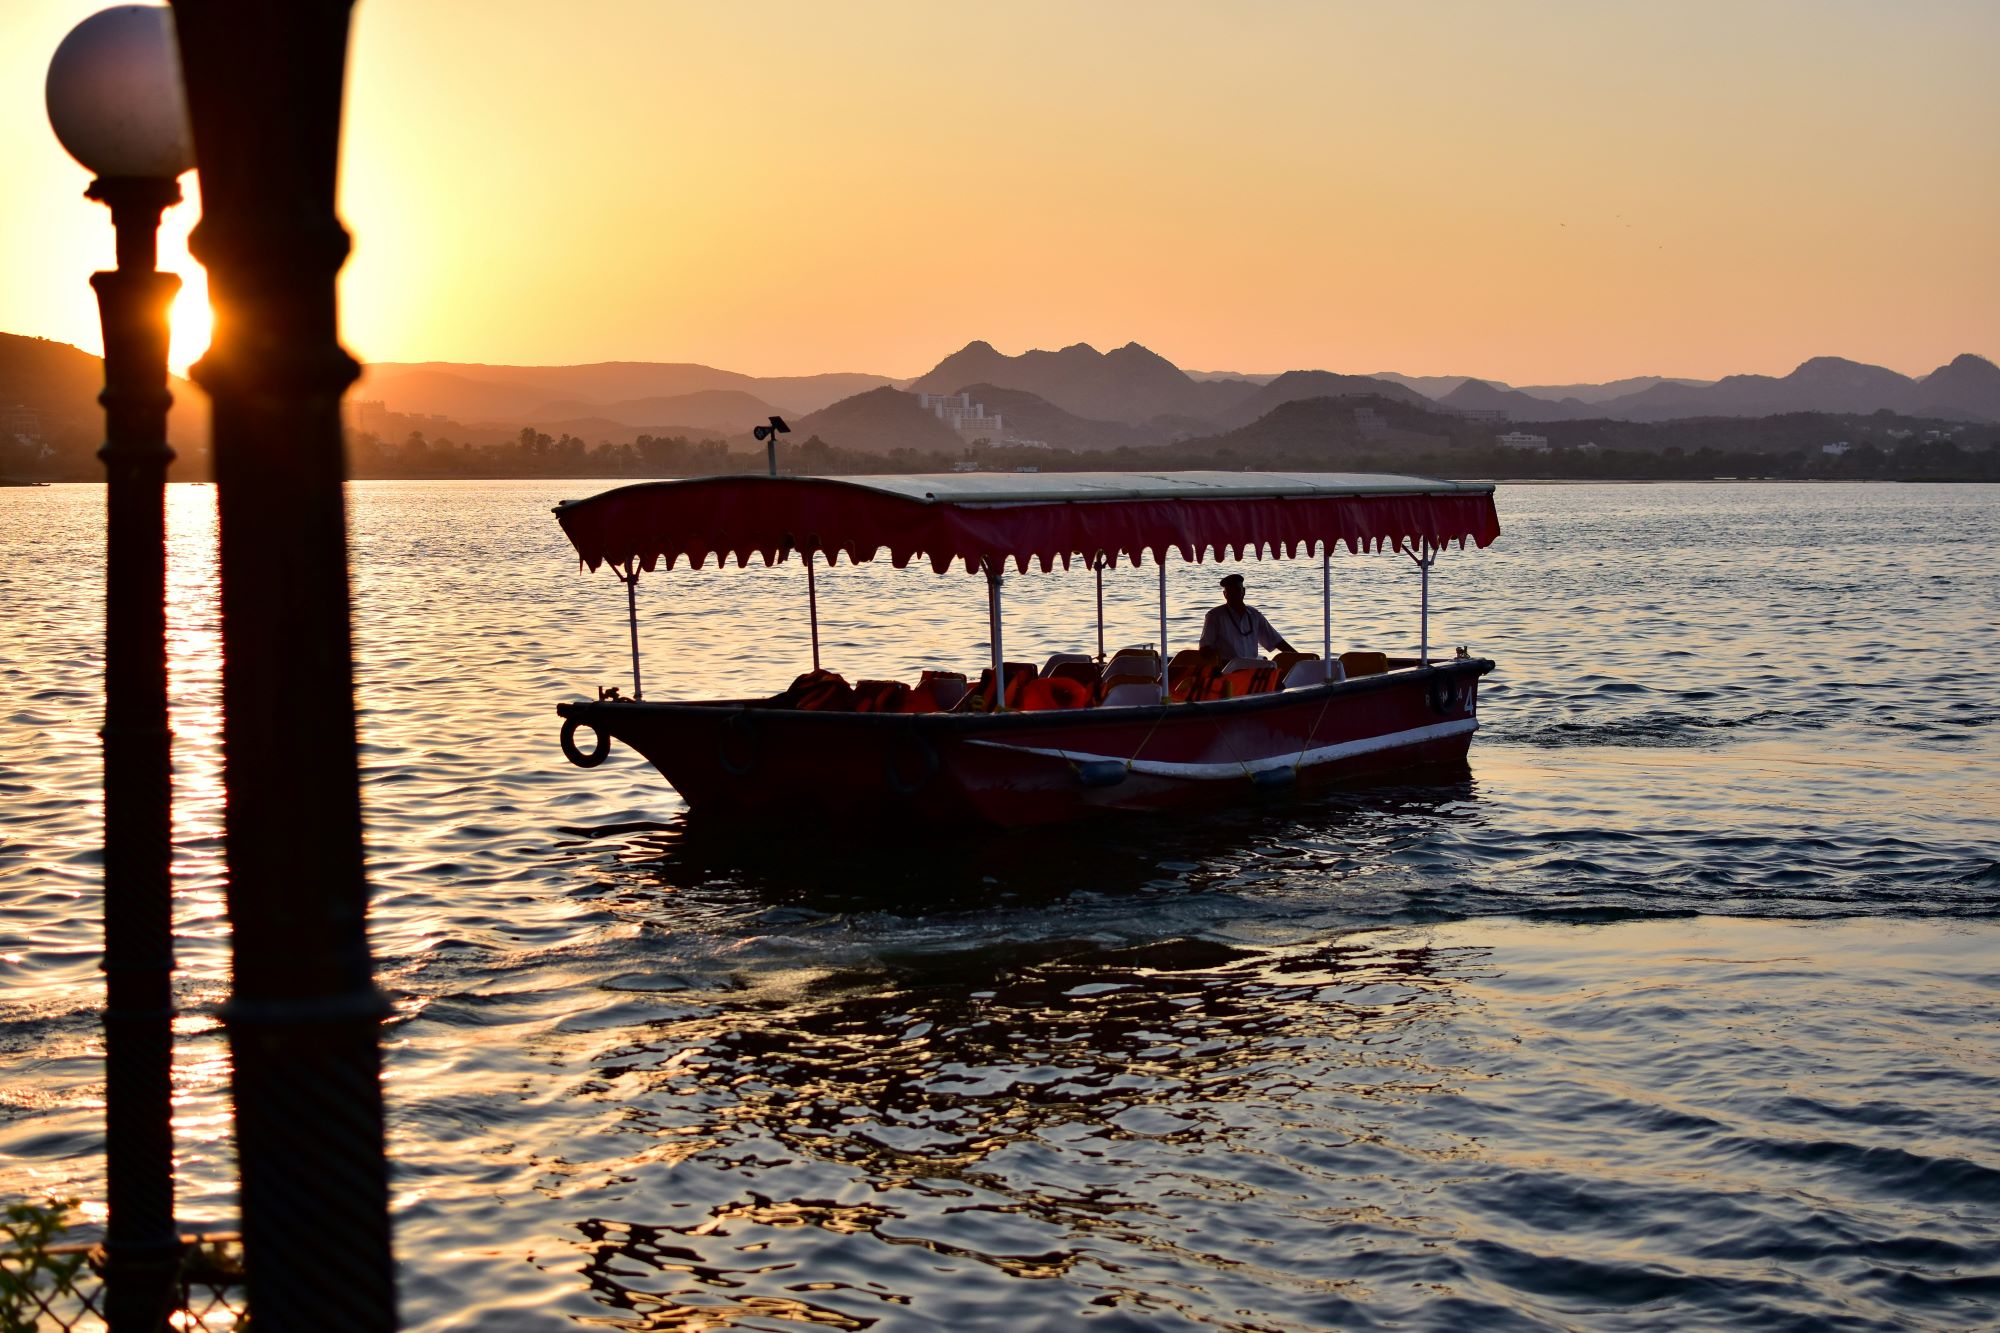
{"x":1370,"y":424}
{"x":969,"y":419}
{"x":1515,"y":439}
{"x":21,"y":423}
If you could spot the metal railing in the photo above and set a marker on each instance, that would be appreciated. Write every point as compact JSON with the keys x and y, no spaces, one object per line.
{"x":60,"y":1288}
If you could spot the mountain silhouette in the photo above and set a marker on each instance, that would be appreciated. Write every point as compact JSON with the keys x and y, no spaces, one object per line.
{"x":1295,"y":385}
{"x":1131,"y":383}
{"x":470,"y":392}
{"x":876,"y":422}
{"x":726,"y":411}
{"x":1966,"y":385}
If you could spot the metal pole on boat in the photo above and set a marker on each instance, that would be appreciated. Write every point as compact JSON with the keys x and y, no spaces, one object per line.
{"x":1163,"y":623}
{"x":631,"y":582}
{"x":1326,"y":603}
{"x":812,"y":605}
{"x":1424,"y":613}
{"x":993,"y":625}
{"x":1098,"y":563}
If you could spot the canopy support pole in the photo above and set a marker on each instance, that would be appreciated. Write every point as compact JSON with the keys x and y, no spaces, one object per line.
{"x":1098,"y":564}
{"x":1424,"y":563}
{"x":993,"y":578}
{"x":1163,"y":624}
{"x":812,"y":605}
{"x":1326,"y":603}
{"x":631,"y":582}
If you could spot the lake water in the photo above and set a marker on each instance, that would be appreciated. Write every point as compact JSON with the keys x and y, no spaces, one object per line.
{"x":1683,"y":1010}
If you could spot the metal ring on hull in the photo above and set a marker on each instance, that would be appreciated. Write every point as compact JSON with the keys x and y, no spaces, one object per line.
{"x":577,"y":756}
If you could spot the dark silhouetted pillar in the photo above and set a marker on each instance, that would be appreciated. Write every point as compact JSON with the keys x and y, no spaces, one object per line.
{"x":142,"y":1246}
{"x":264,"y":86}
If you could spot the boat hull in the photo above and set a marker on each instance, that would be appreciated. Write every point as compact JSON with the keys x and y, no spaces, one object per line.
{"x":737,"y":760}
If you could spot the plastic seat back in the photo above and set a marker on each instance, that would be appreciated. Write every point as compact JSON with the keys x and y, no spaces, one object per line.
{"x":1235,"y":664}
{"x":880,"y":696}
{"x":1054,"y":692}
{"x":1083,"y":672}
{"x":979,"y":699}
{"x":1363,"y":664}
{"x":1312,"y":671}
{"x":1131,"y":693}
{"x":1060,"y":660}
{"x":1245,"y":680}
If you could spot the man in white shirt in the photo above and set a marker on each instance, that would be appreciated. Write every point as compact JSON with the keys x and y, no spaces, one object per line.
{"x":1237,"y":629}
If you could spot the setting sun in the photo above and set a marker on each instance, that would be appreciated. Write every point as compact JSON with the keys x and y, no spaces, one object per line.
{"x":192,"y":322}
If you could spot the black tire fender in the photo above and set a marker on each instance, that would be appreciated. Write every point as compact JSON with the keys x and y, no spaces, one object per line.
{"x":910,"y":764}
{"x":577,"y":756}
{"x":1444,"y":695}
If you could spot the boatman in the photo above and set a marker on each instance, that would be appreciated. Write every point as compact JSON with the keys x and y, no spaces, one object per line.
{"x":1236,"y":629}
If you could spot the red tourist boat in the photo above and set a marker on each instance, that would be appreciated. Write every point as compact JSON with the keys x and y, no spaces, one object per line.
{"x":1027,"y":743}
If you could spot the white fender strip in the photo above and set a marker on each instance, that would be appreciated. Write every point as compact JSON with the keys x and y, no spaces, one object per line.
{"x":1324,"y":754}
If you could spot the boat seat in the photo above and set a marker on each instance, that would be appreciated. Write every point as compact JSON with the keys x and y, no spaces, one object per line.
{"x":1246,"y":680}
{"x":936,"y":692}
{"x":817,"y":691}
{"x":1236,"y":664}
{"x":1188,"y":674}
{"x":1083,"y":671}
{"x":1129,"y":693}
{"x":1129,"y":663}
{"x":880,"y":696}
{"x":979,"y":699}
{"x":1311,"y":671}
{"x":1051,"y":692}
{"x":1065,"y":659}
{"x":1363,"y":664}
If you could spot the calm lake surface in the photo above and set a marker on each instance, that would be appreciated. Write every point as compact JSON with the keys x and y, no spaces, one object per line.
{"x":1683,"y":1010}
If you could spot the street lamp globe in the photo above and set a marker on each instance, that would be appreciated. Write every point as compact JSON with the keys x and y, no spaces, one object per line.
{"x":115,"y":98}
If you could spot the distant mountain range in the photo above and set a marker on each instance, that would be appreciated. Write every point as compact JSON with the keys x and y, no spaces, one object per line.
{"x":1132,"y":394}
{"x":1075,"y":398}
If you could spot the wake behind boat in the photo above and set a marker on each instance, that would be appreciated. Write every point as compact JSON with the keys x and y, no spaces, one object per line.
{"x":1027,"y":743}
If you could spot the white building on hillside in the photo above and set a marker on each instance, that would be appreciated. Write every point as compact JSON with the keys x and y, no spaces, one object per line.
{"x":958,"y":411}
{"x":1515,"y":439}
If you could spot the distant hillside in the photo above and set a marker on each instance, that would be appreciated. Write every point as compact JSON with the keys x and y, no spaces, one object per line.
{"x":1295,"y":385}
{"x":1325,"y":432}
{"x":1963,"y":389}
{"x":1596,"y":393}
{"x":468,"y":392}
{"x":723,"y":411}
{"x":1031,"y":417}
{"x":1430,"y":386}
{"x":877,"y":421}
{"x":58,"y":384}
{"x":1967,"y":384}
{"x":1129,"y":383}
{"x":1479,"y":396}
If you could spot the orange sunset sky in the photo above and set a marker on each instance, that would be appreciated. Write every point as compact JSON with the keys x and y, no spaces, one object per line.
{"x":1537,"y":192}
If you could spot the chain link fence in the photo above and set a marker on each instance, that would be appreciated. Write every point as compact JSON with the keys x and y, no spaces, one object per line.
{"x":47,"y":1287}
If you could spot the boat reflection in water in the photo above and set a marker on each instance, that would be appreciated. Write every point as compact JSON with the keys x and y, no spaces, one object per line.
{"x":832,"y":1138}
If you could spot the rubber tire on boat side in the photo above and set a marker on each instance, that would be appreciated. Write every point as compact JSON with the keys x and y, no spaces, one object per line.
{"x":578,"y":757}
{"x":1444,"y":695}
{"x":739,"y":731}
{"x":900,"y":749}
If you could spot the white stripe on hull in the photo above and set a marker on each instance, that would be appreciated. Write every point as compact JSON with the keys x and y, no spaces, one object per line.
{"x":1324,"y":754}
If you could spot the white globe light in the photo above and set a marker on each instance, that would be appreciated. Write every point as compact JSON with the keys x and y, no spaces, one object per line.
{"x":115,"y":97}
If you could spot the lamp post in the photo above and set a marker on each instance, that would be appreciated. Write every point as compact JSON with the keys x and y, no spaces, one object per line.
{"x":114,"y":100}
{"x":264,"y":87}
